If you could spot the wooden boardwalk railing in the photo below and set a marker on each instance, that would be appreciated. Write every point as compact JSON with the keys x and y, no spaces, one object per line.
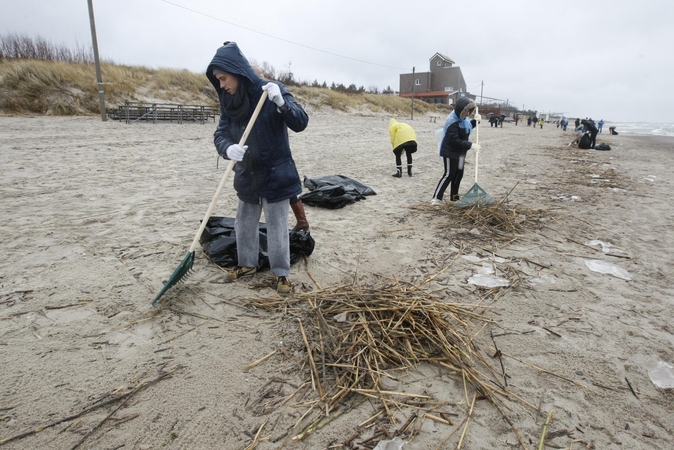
{"x":132,"y":112}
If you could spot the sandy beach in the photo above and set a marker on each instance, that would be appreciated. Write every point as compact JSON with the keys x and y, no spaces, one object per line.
{"x":95,"y":215}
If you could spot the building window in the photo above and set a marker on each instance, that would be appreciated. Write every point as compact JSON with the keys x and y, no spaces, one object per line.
{"x":439,"y":62}
{"x":449,"y":89}
{"x":448,"y":64}
{"x":417,"y":82}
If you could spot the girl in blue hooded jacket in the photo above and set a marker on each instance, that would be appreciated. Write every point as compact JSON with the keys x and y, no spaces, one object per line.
{"x":455,"y":145}
{"x":265,"y":176}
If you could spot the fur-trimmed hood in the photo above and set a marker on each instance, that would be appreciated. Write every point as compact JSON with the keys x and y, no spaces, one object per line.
{"x":464,"y":107}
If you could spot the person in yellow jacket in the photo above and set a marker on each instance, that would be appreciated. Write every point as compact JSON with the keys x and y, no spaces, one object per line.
{"x":403,"y":138}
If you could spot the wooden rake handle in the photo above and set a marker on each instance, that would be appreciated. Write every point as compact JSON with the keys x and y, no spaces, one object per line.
{"x":230,"y":166}
{"x":477,"y":141}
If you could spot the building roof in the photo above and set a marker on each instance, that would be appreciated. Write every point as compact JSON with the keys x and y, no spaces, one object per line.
{"x":446,"y":58}
{"x":430,"y":94}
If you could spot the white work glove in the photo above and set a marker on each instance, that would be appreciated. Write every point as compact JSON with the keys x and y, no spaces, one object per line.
{"x":477,"y":118}
{"x":274,"y":94}
{"x":477,"y":147}
{"x":235,"y":152}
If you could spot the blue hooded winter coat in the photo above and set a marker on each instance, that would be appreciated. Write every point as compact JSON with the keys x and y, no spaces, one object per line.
{"x":268,"y":169}
{"x":457,"y":130}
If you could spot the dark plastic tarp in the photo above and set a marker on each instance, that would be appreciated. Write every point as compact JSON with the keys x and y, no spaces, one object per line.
{"x":334,"y":191}
{"x":219,"y":243}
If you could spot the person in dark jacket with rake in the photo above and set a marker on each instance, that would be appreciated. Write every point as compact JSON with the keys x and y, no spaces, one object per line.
{"x":265,"y":175}
{"x":455,"y":145}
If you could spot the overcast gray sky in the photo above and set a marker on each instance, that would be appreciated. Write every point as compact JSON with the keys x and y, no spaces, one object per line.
{"x":594,"y":58}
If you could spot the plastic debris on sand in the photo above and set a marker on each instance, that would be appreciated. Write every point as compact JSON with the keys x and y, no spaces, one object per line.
{"x":662,"y":375}
{"x":604,"y":267}
{"x":488,"y":281}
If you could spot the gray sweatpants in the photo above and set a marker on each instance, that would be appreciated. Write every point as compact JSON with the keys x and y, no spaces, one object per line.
{"x":248,"y":237}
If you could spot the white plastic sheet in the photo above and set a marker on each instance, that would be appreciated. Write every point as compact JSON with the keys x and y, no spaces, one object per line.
{"x":662,"y":375}
{"x":607,"y":268}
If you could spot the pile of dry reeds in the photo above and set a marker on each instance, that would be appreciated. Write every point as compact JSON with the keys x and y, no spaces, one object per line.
{"x":498,"y":221}
{"x":358,"y":337}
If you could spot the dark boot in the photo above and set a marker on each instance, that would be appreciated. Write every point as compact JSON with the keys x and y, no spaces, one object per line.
{"x":302,"y":222}
{"x":409,"y":170}
{"x":399,"y":172}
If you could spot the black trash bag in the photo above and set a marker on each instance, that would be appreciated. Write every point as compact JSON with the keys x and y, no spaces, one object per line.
{"x":602,"y":146}
{"x":334,"y":191}
{"x":219,"y":243}
{"x":584,"y":141}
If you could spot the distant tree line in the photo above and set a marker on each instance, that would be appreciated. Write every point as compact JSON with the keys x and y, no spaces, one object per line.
{"x":288,"y":78}
{"x":18,"y":46}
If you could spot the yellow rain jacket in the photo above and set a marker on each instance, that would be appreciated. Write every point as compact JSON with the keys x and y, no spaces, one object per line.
{"x":400,"y":133}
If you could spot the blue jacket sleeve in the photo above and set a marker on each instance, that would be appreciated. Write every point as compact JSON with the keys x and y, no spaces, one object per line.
{"x":293,"y":114}
{"x":222,"y":136}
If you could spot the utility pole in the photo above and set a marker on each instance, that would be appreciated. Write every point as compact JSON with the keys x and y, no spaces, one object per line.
{"x":414,"y":82}
{"x":290,"y":74}
{"x":481,"y":89}
{"x":99,"y":79}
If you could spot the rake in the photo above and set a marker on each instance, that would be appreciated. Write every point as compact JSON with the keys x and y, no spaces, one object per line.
{"x":476,"y":195}
{"x":185,"y":267}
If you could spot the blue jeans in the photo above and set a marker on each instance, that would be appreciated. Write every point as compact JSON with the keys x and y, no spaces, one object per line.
{"x":248,"y":237}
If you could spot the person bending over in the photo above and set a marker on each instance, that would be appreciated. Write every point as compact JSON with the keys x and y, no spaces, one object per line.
{"x":592,"y":129}
{"x":403,"y":138}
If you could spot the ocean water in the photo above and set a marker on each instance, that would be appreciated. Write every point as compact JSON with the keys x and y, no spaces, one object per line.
{"x":644,"y":128}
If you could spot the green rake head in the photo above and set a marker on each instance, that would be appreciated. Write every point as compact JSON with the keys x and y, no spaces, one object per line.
{"x":475,"y":196}
{"x":180,"y":274}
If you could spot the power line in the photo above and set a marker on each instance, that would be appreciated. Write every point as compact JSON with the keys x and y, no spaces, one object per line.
{"x":281,"y":39}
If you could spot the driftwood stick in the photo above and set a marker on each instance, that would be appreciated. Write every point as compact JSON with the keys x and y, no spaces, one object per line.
{"x":201,"y":298}
{"x":541,"y":444}
{"x":257,"y":435}
{"x":259,"y":361}
{"x":99,"y":424}
{"x":512,"y":426}
{"x":500,"y":358}
{"x":84,"y":411}
{"x":465,"y":427}
{"x":441,"y":445}
{"x":546,"y":371}
{"x":311,"y":360}
{"x":631,"y":388}
{"x":183,"y":333}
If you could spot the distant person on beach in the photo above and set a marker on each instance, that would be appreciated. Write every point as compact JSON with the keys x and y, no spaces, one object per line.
{"x":265,"y":176}
{"x":517,"y":118}
{"x":541,"y":122}
{"x":565,"y":123}
{"x":528,"y":121}
{"x":577,"y":122}
{"x":455,"y":145}
{"x":403,"y":139}
{"x":600,"y":125}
